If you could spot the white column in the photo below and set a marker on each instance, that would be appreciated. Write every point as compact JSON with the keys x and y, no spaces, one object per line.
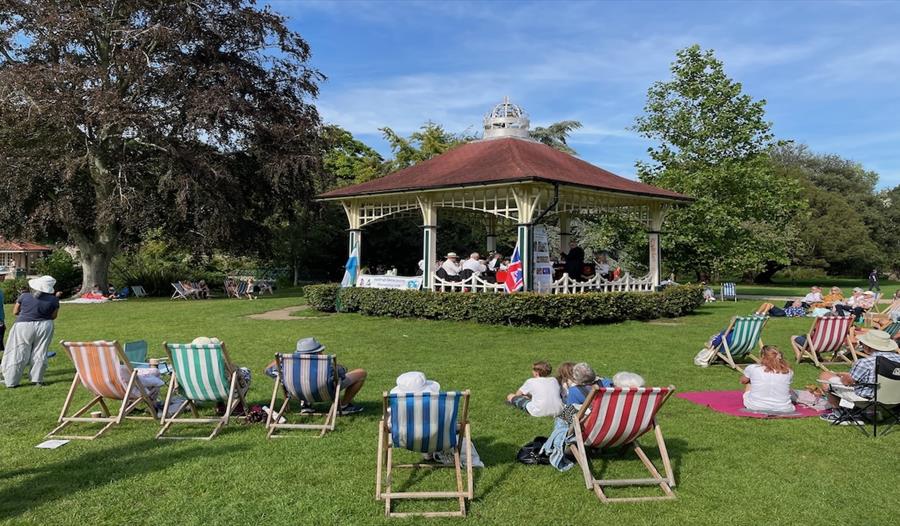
{"x":491,"y":239}
{"x":657,"y":215}
{"x":527,"y":201}
{"x":564,"y":234}
{"x":429,"y":241}
{"x":351,"y":208}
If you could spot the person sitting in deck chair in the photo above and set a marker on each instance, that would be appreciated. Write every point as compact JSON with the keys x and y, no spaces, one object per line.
{"x":351,"y":381}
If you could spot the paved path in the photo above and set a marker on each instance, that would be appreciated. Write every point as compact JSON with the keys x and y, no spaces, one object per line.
{"x":285,"y":314}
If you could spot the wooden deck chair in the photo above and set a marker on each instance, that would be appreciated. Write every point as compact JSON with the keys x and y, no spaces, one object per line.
{"x":424,"y":423}
{"x":138,"y":291}
{"x":893,"y":329}
{"x":828,"y":334}
{"x":743,"y":334}
{"x":728,"y":291}
{"x":202,"y":373}
{"x":97,"y":369}
{"x":312,"y":378}
{"x":875,"y":317}
{"x":180,"y":293}
{"x":613,"y":417}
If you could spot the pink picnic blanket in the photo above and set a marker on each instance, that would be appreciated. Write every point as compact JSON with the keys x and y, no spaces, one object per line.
{"x":732,"y":403}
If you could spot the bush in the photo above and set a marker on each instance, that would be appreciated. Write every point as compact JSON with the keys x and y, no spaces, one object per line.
{"x":62,"y":267}
{"x":557,"y":310}
{"x":322,"y":297}
{"x":11,"y":288}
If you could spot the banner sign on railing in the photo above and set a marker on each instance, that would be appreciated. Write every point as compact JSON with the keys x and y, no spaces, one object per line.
{"x":543,"y":268}
{"x":371,"y":281}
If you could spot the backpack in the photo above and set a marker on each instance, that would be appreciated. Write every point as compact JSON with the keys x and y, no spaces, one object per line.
{"x":704,"y":357}
{"x":530,"y":453}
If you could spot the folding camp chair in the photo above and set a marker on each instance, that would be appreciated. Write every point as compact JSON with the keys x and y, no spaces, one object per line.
{"x":829,"y":334}
{"x":885,"y":400}
{"x":97,"y":369}
{"x":138,"y":291}
{"x":743,"y":334}
{"x":615,"y":416}
{"x":728,"y":291}
{"x":180,"y":293}
{"x":202,"y":373}
{"x":136,"y":352}
{"x":311,"y":378}
{"x":424,"y":423}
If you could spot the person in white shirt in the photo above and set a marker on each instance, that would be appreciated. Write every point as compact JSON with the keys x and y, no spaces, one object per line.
{"x":494,"y":263}
{"x":601,"y":266}
{"x":451,"y":264}
{"x":768,"y":383}
{"x":814,"y":296}
{"x":539,"y":395}
{"x":474,"y":264}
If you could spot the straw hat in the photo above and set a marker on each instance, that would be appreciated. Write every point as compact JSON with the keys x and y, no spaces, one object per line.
{"x":309,"y":346}
{"x":868,"y":293}
{"x":43,"y":284}
{"x":415,"y":382}
{"x":452,"y":255}
{"x":878,"y":340}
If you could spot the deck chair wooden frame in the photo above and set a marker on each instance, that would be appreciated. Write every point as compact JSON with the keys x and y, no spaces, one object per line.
{"x":465,"y":489}
{"x":724,"y":351}
{"x":580,"y":450}
{"x":138,"y":291}
{"x":273,"y":419}
{"x":234,"y":398}
{"x":819,"y":342}
{"x":180,"y":293}
{"x":112,"y":383}
{"x":728,"y":290}
{"x":878,"y":318}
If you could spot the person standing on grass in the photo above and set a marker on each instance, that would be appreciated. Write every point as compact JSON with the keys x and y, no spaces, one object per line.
{"x":32,"y":332}
{"x":873,"y":281}
{"x":768,"y":383}
{"x":539,"y":395}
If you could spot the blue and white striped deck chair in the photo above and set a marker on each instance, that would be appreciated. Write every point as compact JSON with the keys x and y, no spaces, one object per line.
{"x":728,"y":291}
{"x":312,"y":378}
{"x":202,"y":373}
{"x":425,"y":423}
{"x":743,"y":334}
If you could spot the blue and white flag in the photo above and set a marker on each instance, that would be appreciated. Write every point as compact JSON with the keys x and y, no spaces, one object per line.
{"x":351,"y":269}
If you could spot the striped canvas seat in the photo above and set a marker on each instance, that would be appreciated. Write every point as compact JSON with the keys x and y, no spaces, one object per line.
{"x":829,"y":334}
{"x":424,"y":422}
{"x":893,"y":329}
{"x":743,"y":334}
{"x":308,"y":377}
{"x":612,"y":417}
{"x":201,"y":371}
{"x":97,"y":364}
{"x":729,"y":291}
{"x":620,"y":416}
{"x":97,"y":368}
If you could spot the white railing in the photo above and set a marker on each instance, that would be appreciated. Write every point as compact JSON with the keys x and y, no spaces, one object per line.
{"x":626,"y":283}
{"x":564,"y":285}
{"x":473,"y":283}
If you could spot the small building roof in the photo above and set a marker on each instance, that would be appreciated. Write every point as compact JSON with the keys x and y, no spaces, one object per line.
{"x":22,"y":246}
{"x":497,"y":161}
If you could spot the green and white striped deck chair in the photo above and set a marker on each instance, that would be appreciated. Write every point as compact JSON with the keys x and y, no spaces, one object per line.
{"x":202,"y":373}
{"x":743,"y":334}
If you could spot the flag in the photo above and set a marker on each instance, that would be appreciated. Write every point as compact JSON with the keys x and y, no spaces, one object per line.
{"x":351,"y":269}
{"x":514,"y":275}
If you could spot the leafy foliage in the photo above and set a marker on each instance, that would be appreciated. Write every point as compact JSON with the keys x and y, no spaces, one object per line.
{"x":556,"y":135}
{"x":63,"y":268}
{"x":557,"y":310}
{"x":11,"y":289}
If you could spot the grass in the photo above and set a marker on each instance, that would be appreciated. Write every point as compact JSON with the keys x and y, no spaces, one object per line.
{"x":801,"y":287}
{"x":729,"y":470}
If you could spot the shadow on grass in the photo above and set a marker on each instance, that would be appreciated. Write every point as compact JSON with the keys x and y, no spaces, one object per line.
{"x":95,"y":469}
{"x":677,"y":448}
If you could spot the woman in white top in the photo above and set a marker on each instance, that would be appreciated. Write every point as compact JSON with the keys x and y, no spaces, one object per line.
{"x":768,"y":383}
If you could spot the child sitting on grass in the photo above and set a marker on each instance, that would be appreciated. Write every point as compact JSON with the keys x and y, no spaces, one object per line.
{"x":539,"y":395}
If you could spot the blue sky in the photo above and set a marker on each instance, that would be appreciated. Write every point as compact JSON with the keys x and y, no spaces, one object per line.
{"x":830,"y":71}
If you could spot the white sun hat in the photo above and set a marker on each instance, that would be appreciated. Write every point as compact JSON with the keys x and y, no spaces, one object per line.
{"x":43,"y":284}
{"x":415,"y":382}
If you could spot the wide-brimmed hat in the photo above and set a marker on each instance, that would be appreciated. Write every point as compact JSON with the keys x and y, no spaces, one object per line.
{"x":868,"y":293}
{"x":415,"y":382}
{"x":309,"y":346}
{"x":452,"y":255}
{"x":203,"y":340}
{"x":878,"y":340}
{"x":43,"y":284}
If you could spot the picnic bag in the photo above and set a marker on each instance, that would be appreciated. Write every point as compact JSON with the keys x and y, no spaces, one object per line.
{"x":530,"y":453}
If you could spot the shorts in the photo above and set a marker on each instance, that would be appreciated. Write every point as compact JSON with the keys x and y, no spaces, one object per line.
{"x":800,"y":340}
{"x":520,"y":401}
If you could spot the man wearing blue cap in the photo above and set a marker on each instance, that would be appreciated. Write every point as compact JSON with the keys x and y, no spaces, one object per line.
{"x":351,"y":381}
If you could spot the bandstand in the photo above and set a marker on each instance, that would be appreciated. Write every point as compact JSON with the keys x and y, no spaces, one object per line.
{"x":510,"y":178}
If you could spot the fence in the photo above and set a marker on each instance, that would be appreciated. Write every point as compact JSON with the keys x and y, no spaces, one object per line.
{"x":564,"y":285}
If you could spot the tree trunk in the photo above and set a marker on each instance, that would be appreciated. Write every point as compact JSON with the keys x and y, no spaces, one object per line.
{"x":296,"y":273}
{"x":95,"y":260}
{"x":766,"y":275}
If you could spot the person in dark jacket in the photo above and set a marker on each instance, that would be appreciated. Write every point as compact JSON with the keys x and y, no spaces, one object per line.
{"x":574,"y":261}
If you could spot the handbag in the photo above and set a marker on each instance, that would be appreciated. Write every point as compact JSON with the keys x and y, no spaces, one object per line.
{"x":530,"y":453}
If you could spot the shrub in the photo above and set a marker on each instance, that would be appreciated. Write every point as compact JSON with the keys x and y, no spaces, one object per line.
{"x":557,"y":310}
{"x":322,"y":297}
{"x":62,"y":267}
{"x":11,"y":288}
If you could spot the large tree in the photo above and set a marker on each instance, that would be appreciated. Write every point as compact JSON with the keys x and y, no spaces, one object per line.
{"x":119,"y":114}
{"x":712,"y":141}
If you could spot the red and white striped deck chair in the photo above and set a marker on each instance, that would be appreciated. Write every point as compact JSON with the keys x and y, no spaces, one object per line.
{"x":613,"y":417}
{"x":828,"y":334}
{"x":97,"y":369}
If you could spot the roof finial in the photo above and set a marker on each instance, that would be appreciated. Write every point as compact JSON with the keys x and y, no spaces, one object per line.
{"x":506,"y":120}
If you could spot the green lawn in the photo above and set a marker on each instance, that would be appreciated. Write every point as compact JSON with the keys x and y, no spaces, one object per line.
{"x":729,"y":470}
{"x":800,"y":288}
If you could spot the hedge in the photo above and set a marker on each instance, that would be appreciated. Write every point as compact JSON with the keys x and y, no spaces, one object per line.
{"x":548,"y":310}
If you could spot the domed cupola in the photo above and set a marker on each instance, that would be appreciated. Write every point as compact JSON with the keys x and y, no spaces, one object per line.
{"x":506,"y":120}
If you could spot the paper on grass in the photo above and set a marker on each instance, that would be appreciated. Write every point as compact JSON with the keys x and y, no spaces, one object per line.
{"x":51,"y":444}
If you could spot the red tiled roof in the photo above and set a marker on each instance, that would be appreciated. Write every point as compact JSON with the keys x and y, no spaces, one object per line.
{"x":21,"y":246}
{"x":501,"y":161}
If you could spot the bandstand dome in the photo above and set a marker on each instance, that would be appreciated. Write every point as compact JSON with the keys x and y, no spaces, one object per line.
{"x":510,"y":177}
